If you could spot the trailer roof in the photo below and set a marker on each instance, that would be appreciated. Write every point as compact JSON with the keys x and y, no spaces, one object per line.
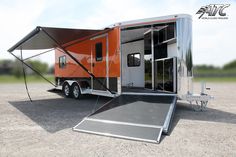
{"x":39,"y":38}
{"x":153,"y":20}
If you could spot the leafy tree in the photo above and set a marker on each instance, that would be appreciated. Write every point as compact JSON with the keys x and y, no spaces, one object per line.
{"x":205,"y":67}
{"x":6,"y":66}
{"x":230,"y":65}
{"x":17,"y":69}
{"x":51,"y":69}
{"x":36,"y":64}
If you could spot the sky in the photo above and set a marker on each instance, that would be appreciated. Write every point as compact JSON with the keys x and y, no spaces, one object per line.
{"x":213,"y":40}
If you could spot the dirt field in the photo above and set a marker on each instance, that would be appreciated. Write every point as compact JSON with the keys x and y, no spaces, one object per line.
{"x":43,"y":128}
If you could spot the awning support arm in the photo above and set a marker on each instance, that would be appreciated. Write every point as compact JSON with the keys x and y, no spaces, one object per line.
{"x":32,"y":69}
{"x":38,"y":54}
{"x":72,"y":57}
{"x":23,"y":69}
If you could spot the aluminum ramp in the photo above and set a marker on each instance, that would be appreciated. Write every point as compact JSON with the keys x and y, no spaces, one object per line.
{"x":135,"y":117}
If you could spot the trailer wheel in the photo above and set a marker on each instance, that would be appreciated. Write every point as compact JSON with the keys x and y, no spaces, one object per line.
{"x":76,"y":91}
{"x":66,"y":89}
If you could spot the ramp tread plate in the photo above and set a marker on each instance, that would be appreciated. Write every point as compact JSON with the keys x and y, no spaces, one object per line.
{"x":121,"y":131}
{"x":151,"y":110}
{"x":134,"y":117}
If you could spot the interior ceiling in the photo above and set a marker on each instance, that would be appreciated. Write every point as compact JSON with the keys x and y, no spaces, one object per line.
{"x":138,"y":33}
{"x":133,"y":34}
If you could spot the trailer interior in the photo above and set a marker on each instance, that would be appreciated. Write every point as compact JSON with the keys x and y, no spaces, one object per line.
{"x":136,"y":47}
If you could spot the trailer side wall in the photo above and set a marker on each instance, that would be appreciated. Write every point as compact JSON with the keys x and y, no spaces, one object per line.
{"x":82,"y":51}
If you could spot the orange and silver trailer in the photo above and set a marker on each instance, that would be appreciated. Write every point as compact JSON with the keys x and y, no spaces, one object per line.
{"x":139,"y":57}
{"x":145,"y":65}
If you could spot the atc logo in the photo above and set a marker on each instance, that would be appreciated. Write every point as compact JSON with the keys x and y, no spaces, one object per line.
{"x":213,"y":11}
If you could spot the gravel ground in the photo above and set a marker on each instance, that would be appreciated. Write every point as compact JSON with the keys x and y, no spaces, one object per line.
{"x":43,"y":128}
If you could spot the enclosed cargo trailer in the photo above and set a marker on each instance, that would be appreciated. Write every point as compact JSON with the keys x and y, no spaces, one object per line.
{"x":146,"y":65}
{"x":143,"y":56}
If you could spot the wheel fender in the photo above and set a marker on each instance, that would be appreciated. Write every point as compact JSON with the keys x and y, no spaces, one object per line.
{"x":75,"y":82}
{"x":71,"y":82}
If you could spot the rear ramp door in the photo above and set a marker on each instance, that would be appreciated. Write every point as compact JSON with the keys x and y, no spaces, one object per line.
{"x":134,"y":117}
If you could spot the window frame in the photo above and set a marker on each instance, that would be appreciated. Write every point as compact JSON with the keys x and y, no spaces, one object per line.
{"x":62,"y":61}
{"x":133,"y":58}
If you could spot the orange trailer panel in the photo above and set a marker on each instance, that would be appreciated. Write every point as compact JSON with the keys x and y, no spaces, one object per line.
{"x":84,"y":51}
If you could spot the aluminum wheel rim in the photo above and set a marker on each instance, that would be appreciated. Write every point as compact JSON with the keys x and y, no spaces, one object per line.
{"x":76,"y":91}
{"x":67,"y":90}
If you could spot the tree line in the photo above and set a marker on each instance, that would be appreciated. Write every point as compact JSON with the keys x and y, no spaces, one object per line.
{"x":227,"y":66}
{"x":227,"y":70}
{"x":14,"y":67}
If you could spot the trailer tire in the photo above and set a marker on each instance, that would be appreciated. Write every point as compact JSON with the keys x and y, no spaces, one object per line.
{"x":66,"y":89}
{"x":76,"y":91}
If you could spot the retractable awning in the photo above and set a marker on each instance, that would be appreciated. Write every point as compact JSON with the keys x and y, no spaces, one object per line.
{"x":49,"y":38}
{"x":38,"y":39}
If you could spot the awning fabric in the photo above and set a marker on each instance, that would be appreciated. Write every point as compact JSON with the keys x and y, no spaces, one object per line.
{"x":47,"y":38}
{"x":38,"y":39}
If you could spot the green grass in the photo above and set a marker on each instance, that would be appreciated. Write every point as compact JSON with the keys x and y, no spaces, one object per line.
{"x":13,"y":79}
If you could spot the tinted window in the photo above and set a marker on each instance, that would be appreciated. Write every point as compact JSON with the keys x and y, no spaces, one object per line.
{"x":98,"y":49}
{"x":170,"y":31}
{"x":147,"y":43}
{"x":160,"y":51}
{"x":62,"y":61}
{"x":133,"y":59}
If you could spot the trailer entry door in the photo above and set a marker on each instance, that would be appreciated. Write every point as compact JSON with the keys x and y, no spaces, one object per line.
{"x":99,"y":63}
{"x":165,"y":74}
